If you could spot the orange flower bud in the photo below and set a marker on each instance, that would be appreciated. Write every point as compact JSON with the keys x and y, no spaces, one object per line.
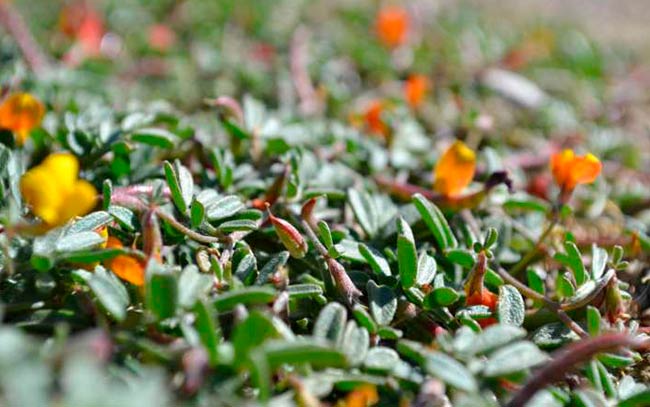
{"x":569,"y":170}
{"x":125,"y":267}
{"x":455,"y":170}
{"x":392,"y":25}
{"x":373,"y":119}
{"x":20,"y":113}
{"x":476,"y":293}
{"x":415,"y":90}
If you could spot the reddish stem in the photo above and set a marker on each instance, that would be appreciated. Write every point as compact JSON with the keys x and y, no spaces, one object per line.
{"x":13,"y":22}
{"x":299,"y":59}
{"x":569,"y":357}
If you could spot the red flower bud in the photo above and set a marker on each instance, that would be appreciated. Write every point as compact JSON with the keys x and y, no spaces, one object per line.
{"x":289,"y":236}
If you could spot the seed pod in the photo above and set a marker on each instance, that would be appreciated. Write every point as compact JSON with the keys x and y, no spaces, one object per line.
{"x":615,"y":308}
{"x":289,"y":236}
{"x":307,"y":210}
{"x":343,"y":282}
{"x":151,"y":236}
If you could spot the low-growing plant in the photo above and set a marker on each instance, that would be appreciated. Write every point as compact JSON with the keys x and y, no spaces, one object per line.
{"x":335,"y":244}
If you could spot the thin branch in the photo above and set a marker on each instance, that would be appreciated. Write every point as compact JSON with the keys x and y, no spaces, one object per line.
{"x":140,"y":190}
{"x":189,"y":232}
{"x":549,"y":304}
{"x":15,"y":26}
{"x":530,"y":256}
{"x":343,"y":281}
{"x":569,"y":357}
{"x":299,"y":59}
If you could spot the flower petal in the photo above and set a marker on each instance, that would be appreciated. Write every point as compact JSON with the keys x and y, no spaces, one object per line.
{"x":63,"y":169}
{"x":585,"y":170}
{"x":363,"y":396}
{"x":41,"y":194}
{"x":79,"y":201}
{"x":128,"y":269}
{"x":391,"y":25}
{"x":560,"y":166}
{"x":415,"y":89}
{"x":20,"y":113}
{"x":373,"y":118}
{"x":125,"y":267}
{"x":455,"y":169}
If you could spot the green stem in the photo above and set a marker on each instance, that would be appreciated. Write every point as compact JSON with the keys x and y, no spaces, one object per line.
{"x":189,"y":232}
{"x":530,"y":256}
{"x":549,"y":304}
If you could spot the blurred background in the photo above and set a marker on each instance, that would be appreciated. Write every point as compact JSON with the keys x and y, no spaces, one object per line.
{"x":196,"y":48}
{"x":513,"y":75}
{"x":621,"y":23}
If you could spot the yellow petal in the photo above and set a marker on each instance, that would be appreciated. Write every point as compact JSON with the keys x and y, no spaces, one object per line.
{"x":41,"y":194}
{"x":20,"y":113}
{"x":78,"y":202}
{"x":63,"y":169}
{"x":103,"y":232}
{"x":455,"y":169}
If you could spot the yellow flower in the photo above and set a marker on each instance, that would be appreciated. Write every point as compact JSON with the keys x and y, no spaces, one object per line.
{"x":125,"y":267}
{"x":569,"y":170}
{"x":455,"y":170}
{"x":53,"y":191}
{"x":20,"y":113}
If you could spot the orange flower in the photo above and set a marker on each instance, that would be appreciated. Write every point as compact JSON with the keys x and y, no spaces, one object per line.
{"x":415,"y":90}
{"x":475,"y":291}
{"x":82,"y":22}
{"x":373,"y":119}
{"x":392,"y":25}
{"x":487,"y":298}
{"x":125,"y":267}
{"x":483,"y":297}
{"x":363,"y":396}
{"x":20,"y":113}
{"x":569,"y":170}
{"x":455,"y":170}
{"x":161,"y":37}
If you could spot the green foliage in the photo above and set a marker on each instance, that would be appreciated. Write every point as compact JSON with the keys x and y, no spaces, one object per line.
{"x":363,"y":275}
